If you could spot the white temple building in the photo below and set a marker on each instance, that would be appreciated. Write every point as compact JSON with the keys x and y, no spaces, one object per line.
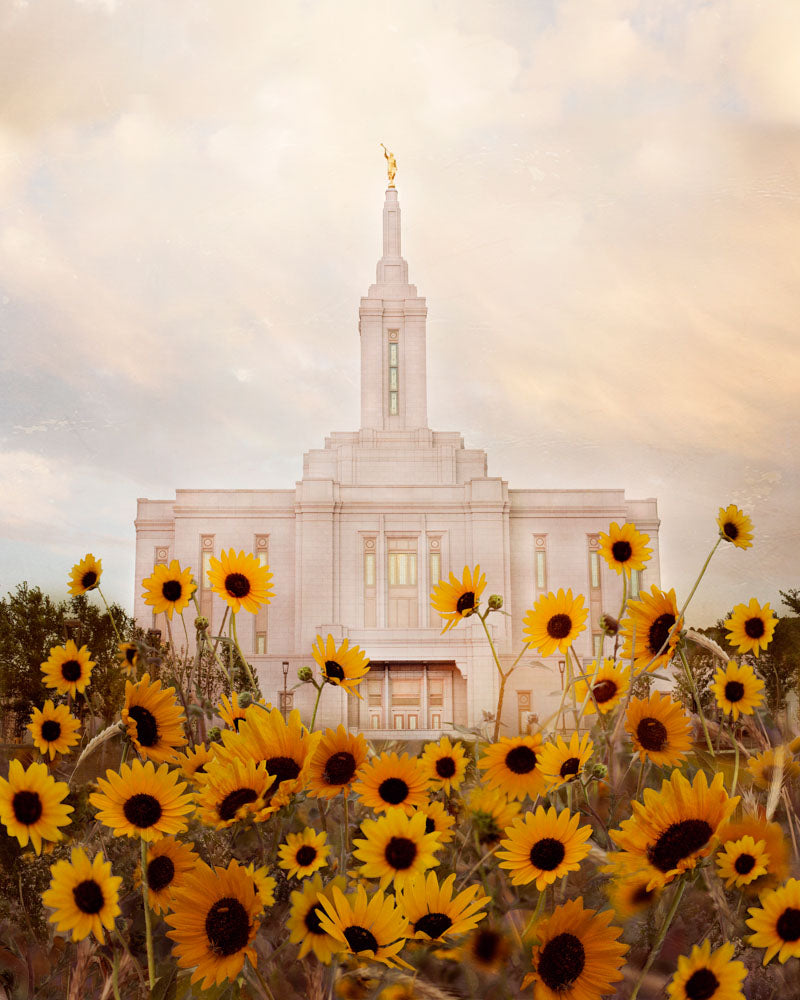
{"x":379,"y":516}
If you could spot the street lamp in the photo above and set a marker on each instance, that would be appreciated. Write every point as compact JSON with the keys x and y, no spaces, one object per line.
{"x":284,"y":696}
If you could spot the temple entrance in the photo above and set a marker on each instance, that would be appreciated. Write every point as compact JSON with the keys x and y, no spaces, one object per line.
{"x":409,"y":696}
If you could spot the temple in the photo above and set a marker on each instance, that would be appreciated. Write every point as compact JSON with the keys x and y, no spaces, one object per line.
{"x":379,"y":515}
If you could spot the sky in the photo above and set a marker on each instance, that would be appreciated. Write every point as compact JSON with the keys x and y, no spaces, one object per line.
{"x":601,"y":203}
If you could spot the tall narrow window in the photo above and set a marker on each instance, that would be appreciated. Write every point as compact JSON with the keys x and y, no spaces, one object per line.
{"x":206,"y":594}
{"x":434,"y":574}
{"x":260,"y":622}
{"x":402,"y":582}
{"x":394,"y":385}
{"x":540,"y":563}
{"x":595,"y":593}
{"x":594,"y":567}
{"x":636,"y":582}
{"x":370,"y":588}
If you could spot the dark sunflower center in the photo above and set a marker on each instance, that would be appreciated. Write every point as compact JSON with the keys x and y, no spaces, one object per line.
{"x":621,"y":551}
{"x":393,"y":790}
{"x":570,"y":766}
{"x":521,"y":760}
{"x":734,"y":691}
{"x":146,"y":725}
{"x":754,"y":628}
{"x":559,"y":626}
{"x":172,"y":590}
{"x":237,"y":585}
{"x":227,"y":926}
{"x":430,"y":826}
{"x":332,"y":669}
{"x":701,"y":985}
{"x":130,"y":654}
{"x":678,"y":841}
{"x":88,"y":896}
{"x":788,"y":925}
{"x":485,"y":946}
{"x":312,"y":921}
{"x":604,"y":691}
{"x":306,"y":855}
{"x":360,"y":939}
{"x":71,"y":670}
{"x":89,"y":579}
{"x":339,"y":768}
{"x":466,"y":602}
{"x":27,"y":807}
{"x":234,"y":801}
{"x":652,"y":734}
{"x":445,"y":767}
{"x":400,"y":853}
{"x":730,"y":530}
{"x":547,"y":854}
{"x":283,"y":768}
{"x":744,"y":864}
{"x":51,"y":730}
{"x":433,"y":924}
{"x":642,"y":895}
{"x":561,"y":961}
{"x":142,"y":810}
{"x":160,"y":872}
{"x":658,"y":632}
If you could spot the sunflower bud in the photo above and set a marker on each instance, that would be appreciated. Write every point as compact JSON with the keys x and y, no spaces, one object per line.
{"x":609,"y":625}
{"x":201,"y":623}
{"x":245,"y":699}
{"x":598,"y":771}
{"x":305,"y":675}
{"x":215,"y":735}
{"x":495,"y":602}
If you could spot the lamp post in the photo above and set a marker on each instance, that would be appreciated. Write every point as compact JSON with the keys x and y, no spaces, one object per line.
{"x":284,"y":698}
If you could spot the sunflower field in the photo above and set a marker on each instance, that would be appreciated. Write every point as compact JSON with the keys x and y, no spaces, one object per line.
{"x":629,"y":847}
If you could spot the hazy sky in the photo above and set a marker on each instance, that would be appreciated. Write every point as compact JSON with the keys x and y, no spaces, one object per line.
{"x":601,"y":202}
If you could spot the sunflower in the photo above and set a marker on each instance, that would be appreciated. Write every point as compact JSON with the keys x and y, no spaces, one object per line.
{"x":624,"y":548}
{"x":169,"y":588}
{"x":84,"y":895}
{"x":344,"y":666}
{"x":264,"y":883}
{"x":389,"y":781}
{"x":555,"y":621}
{"x":445,"y":764}
{"x":544,"y":846}
{"x":459,"y":598}
{"x":609,"y":686}
{"x":372,"y":929}
{"x":562,"y":762}
{"x":338,"y":756}
{"x":53,"y":729}
{"x":193,"y":762}
{"x":675,"y":827}
{"x":740,"y":862}
{"x":395,"y":847}
{"x":653,"y":620}
{"x":154,"y":719}
{"x":233,"y":790}
{"x":735,"y":526}
{"x":32,"y":804}
{"x":85,"y":575}
{"x":491,"y":812}
{"x":629,"y":895}
{"x":230,"y":711}
{"x":433,"y":912}
{"x":772,"y":764}
{"x":169,"y":861}
{"x":750,"y":627}
{"x":486,"y":949}
{"x":513,"y":766}
{"x":128,"y":653}
{"x":777,"y":922}
{"x":304,"y":853}
{"x":438,"y":820}
{"x":284,"y":745}
{"x":660,"y":729}
{"x":577,"y":956}
{"x":141,"y":801}
{"x":68,"y":669}
{"x":241,"y":581}
{"x":707,"y":975}
{"x":304,"y":924}
{"x":737,"y":689}
{"x":759,"y":828}
{"x":215,"y":918}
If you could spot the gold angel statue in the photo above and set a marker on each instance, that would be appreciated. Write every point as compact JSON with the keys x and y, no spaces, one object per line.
{"x":391,"y":165}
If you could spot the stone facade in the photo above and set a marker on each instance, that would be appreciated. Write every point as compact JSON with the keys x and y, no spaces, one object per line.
{"x":379,"y":516}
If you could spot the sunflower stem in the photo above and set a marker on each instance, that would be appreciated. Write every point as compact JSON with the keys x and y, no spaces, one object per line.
{"x":316,"y":705}
{"x":534,"y":916}
{"x":115,"y":974}
{"x":690,"y":678}
{"x":624,"y":596}
{"x":345,"y":830}
{"x":735,"y":763}
{"x":642,"y":768}
{"x":111,"y":617}
{"x":148,"y":927}
{"x":503,"y":676}
{"x":659,"y":940}
{"x":267,"y":991}
{"x":251,"y":678}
